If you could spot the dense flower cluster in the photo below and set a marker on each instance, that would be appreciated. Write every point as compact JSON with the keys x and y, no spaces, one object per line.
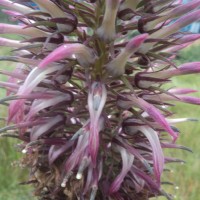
{"x":87,"y":98}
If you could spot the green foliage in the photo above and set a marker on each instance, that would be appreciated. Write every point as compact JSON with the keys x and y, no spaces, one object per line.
{"x":3,"y":17}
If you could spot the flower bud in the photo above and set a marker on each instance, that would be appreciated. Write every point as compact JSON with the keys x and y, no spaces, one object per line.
{"x":107,"y":29}
{"x":83,"y":54}
{"x":16,"y":6}
{"x":174,"y":13}
{"x":52,"y":9}
{"x":117,"y":66}
{"x":21,"y":30}
{"x":180,"y":23}
{"x":11,"y":43}
{"x":171,"y":29}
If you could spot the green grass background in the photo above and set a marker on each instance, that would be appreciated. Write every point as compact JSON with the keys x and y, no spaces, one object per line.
{"x":185,"y":177}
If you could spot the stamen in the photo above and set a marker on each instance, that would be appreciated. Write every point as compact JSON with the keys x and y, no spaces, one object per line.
{"x":77,"y":134}
{"x":83,"y":165}
{"x":24,"y":151}
{"x":66,"y":178}
{"x":93,"y":193}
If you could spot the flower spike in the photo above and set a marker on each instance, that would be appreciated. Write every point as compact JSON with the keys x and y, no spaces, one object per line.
{"x":96,"y":101}
{"x":87,"y":95}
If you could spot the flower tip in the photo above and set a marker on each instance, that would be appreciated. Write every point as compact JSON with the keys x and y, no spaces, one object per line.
{"x":24,"y":151}
{"x":136,"y":42}
{"x":79,"y":176}
{"x":193,"y":119}
{"x":175,"y":138}
{"x":63,"y":185}
{"x":65,"y":179}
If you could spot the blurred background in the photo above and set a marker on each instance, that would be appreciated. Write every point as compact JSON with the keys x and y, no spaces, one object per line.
{"x":186,"y":177}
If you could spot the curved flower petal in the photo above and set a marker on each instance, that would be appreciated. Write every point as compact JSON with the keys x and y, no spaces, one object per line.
{"x":77,"y":51}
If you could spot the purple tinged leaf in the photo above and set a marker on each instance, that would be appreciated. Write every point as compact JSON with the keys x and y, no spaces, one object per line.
{"x":33,"y":79}
{"x":152,"y":111}
{"x":187,"y":68}
{"x":12,"y":13}
{"x":138,"y":182}
{"x":172,"y":160}
{"x":79,"y":152}
{"x":11,"y":86}
{"x":14,"y":74}
{"x":94,"y":142}
{"x":54,"y":141}
{"x":23,"y":125}
{"x":174,"y":146}
{"x":144,"y":80}
{"x":135,"y":153}
{"x":158,"y":157}
{"x":89,"y":179}
{"x":155,"y":187}
{"x":190,"y":100}
{"x":96,"y":101}
{"x":188,"y":38}
{"x":56,"y":151}
{"x":127,"y":162}
{"x":179,"y":91}
{"x":40,"y":104}
{"x":40,"y":130}
{"x":93,"y":176}
{"x":184,"y":69}
{"x":174,"y":97}
{"x":27,"y":61}
{"x":176,"y":48}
